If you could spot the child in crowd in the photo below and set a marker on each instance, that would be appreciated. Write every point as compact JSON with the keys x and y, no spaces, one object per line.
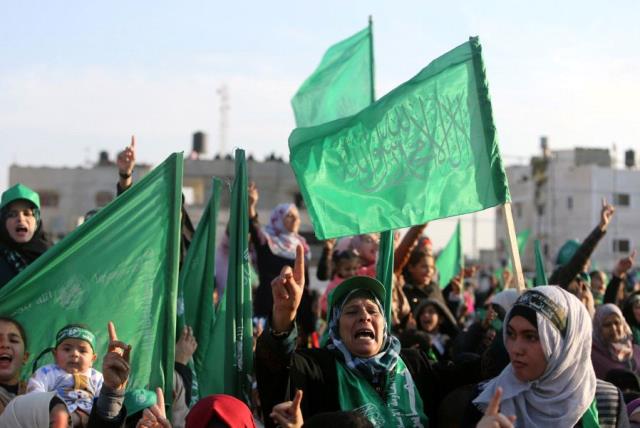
{"x":434,"y":318}
{"x":72,"y":376}
{"x":346,"y":264}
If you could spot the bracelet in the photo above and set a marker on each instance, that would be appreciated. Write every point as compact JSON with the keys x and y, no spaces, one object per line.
{"x":124,"y":176}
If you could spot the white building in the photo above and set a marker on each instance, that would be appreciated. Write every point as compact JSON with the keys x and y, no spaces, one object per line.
{"x":559,"y":197}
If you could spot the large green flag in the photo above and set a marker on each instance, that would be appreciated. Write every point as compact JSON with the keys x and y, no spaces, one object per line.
{"x":340,"y":86}
{"x":197,"y":282}
{"x":231,"y":347}
{"x":121,"y":266}
{"x":541,"y":275}
{"x":451,"y":258}
{"x":426,"y":150}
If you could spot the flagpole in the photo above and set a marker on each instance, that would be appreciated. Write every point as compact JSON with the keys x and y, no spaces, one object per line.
{"x":513,"y":246}
{"x":371,"y":68}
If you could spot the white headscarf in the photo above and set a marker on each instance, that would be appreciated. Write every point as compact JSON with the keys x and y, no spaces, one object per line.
{"x":506,"y":298}
{"x":28,"y":411}
{"x":561,"y":396}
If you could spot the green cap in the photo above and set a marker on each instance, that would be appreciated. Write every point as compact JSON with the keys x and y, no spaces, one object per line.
{"x":136,"y":400}
{"x":17,"y":192}
{"x":355,"y":283}
{"x":567,"y":251}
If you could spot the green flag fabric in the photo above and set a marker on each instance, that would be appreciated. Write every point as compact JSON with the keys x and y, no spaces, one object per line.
{"x":541,"y":275}
{"x":426,"y":150}
{"x":231,"y":347}
{"x":523,"y":239}
{"x":340,"y":86}
{"x":384,"y":269}
{"x":451,"y":259}
{"x":121,"y":266}
{"x":196,"y":286}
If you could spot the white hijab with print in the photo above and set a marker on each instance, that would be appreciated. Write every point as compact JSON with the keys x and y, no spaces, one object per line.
{"x":561,"y":396}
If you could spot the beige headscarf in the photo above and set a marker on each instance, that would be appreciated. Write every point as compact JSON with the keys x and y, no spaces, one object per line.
{"x":27,"y":411}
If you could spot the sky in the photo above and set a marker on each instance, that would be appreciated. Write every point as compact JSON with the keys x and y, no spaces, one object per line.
{"x":78,"y":77}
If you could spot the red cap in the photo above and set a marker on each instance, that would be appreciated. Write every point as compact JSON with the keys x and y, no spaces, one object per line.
{"x":225,"y":408}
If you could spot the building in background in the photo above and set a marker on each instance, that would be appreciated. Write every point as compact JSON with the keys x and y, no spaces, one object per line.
{"x":67,"y":194}
{"x":559,"y":197}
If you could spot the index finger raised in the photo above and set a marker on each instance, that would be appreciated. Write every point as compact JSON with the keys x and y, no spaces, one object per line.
{"x":298,"y":267}
{"x":133,"y":141}
{"x":160,"y":395}
{"x":494,"y":404}
{"x":112,"y":332}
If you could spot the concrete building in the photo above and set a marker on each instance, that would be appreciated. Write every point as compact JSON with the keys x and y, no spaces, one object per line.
{"x":67,"y":194}
{"x":559,"y":197}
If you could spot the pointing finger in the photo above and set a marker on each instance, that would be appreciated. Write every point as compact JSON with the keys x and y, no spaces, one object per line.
{"x":160,"y":396}
{"x":296,"y":401}
{"x":494,"y":404}
{"x":112,"y":331}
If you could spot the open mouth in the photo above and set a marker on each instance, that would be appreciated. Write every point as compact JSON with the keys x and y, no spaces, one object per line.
{"x":5,"y":359}
{"x":21,"y":229}
{"x":365,"y":333}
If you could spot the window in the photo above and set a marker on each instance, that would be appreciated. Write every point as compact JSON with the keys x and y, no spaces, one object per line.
{"x":622,"y":199}
{"x":299,"y":201}
{"x":49,"y":198}
{"x":103,"y":197}
{"x":569,"y":202}
{"x":621,"y":245}
{"x":541,"y":209}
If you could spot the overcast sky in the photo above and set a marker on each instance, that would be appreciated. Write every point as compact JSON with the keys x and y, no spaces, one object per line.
{"x":77,"y":77}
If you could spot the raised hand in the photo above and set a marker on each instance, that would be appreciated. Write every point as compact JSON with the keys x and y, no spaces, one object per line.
{"x":624,"y":265}
{"x":253,"y":199}
{"x":287,"y":291}
{"x":155,"y":416}
{"x":288,"y":414}
{"x":492,"y":417}
{"x":605,"y":214}
{"x":115,"y":365}
{"x":186,"y":346}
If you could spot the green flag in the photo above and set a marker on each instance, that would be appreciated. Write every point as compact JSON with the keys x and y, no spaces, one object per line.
{"x":426,"y":150}
{"x":121,"y":266}
{"x":340,"y":86}
{"x":197,"y":282}
{"x":384,"y":269}
{"x":541,"y":275}
{"x":451,"y":259}
{"x":523,"y":239}
{"x":232,"y":344}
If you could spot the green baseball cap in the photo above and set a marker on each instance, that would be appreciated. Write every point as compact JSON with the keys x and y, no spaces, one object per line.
{"x":355,"y":283}
{"x":567,"y":251}
{"x":136,"y":400}
{"x":17,"y":192}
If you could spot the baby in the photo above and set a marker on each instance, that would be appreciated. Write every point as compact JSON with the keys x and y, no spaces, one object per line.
{"x":72,"y":376}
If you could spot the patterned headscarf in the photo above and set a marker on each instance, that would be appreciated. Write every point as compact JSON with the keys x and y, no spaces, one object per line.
{"x":567,"y":387}
{"x":372,"y":368}
{"x":621,"y":350}
{"x":282,"y":242}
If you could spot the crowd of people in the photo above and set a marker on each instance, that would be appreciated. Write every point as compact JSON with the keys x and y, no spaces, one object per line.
{"x":449,"y":355}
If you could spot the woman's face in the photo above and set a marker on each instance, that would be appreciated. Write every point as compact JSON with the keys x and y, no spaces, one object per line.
{"x":368,"y":247}
{"x":21,"y":222}
{"x":429,"y":319}
{"x":12,"y":353}
{"x":422,"y":272}
{"x":612,"y":329}
{"x":291,"y":220}
{"x":361,"y":327}
{"x":525,"y":350}
{"x":597,"y":284}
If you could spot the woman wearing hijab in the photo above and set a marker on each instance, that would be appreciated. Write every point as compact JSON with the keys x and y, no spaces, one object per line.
{"x":36,"y":410}
{"x":21,"y":237}
{"x":220,"y":410}
{"x":275,"y":246}
{"x":550,"y":380}
{"x":361,"y":369}
{"x":613,"y":346}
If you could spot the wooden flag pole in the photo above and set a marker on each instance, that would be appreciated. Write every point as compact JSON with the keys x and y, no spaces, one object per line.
{"x":513,"y":246}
